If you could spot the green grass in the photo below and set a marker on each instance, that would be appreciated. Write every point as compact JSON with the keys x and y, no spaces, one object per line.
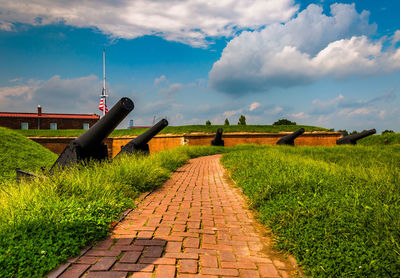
{"x":336,"y":209}
{"x":17,"y":151}
{"x":175,"y":130}
{"x":48,"y":220}
{"x":392,"y":138}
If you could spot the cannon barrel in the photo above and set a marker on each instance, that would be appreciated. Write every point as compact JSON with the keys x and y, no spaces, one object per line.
{"x":140,"y":142}
{"x":217,"y":141}
{"x":89,"y":145}
{"x":289,"y":139}
{"x":352,"y":139}
{"x":100,"y":130}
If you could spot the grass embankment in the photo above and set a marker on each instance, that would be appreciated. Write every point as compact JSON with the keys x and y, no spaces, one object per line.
{"x":174,"y":130}
{"x":336,"y":209}
{"x":392,"y":139}
{"x":17,"y":151}
{"x":47,"y":220}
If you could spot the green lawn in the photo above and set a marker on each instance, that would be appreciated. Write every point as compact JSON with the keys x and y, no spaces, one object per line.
{"x":174,"y":130}
{"x":337,"y":209}
{"x":17,"y":151}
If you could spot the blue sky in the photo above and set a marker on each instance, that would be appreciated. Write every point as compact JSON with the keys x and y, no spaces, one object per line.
{"x":326,"y":63}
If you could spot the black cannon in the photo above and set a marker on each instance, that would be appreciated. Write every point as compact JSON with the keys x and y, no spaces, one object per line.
{"x":139,"y":144}
{"x":217,"y":141}
{"x":90,"y":144}
{"x":289,"y":139}
{"x":352,"y":139}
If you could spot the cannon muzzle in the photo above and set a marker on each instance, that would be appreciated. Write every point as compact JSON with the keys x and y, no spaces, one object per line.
{"x":140,"y":142}
{"x":217,"y":141}
{"x":352,"y":139}
{"x":289,"y":139}
{"x":89,"y":145}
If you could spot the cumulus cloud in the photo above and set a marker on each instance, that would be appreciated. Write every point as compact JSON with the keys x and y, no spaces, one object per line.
{"x":187,"y":21}
{"x":254,"y":106}
{"x":300,"y":115}
{"x":396,"y":37}
{"x":6,"y":26}
{"x":350,"y":106}
{"x":172,"y":89}
{"x":344,"y":112}
{"x":306,"y":48}
{"x":77,"y":95}
{"x":159,"y":80}
{"x":257,"y":113}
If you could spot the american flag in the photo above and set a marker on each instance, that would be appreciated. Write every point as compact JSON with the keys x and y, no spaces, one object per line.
{"x":101,"y":105}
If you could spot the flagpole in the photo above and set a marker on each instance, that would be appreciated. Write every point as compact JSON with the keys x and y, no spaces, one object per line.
{"x":104,"y":82}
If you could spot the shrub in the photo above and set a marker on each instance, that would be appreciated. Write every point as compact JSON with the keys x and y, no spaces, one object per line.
{"x":344,"y":132}
{"x":387,"y":131}
{"x":242,"y":120}
{"x":284,"y":122}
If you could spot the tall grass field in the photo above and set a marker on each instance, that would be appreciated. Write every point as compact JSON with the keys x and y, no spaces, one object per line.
{"x":337,"y":209}
{"x":48,"y":220}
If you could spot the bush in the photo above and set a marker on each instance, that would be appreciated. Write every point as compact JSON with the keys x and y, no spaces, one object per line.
{"x":344,"y":132}
{"x":242,"y":120}
{"x":284,"y":122}
{"x":208,"y":122}
{"x":387,"y":131}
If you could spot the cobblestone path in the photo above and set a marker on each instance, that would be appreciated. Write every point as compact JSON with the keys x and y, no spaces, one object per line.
{"x":196,"y":225}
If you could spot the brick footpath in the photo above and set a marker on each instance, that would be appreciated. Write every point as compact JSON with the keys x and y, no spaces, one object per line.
{"x":196,"y":225}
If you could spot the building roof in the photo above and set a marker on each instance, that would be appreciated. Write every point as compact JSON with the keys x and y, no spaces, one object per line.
{"x":47,"y":115}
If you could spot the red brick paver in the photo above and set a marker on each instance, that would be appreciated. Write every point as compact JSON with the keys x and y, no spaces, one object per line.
{"x":196,"y":225}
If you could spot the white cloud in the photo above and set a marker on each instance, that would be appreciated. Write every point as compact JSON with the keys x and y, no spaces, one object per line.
{"x":382,"y":114}
{"x":187,"y":21}
{"x":396,"y":37}
{"x":9,"y":94}
{"x":319,"y":107}
{"x":308,"y":47}
{"x":254,"y":106}
{"x":231,"y":113}
{"x":172,"y":89}
{"x":300,"y":115}
{"x":77,"y":95}
{"x":358,"y":111}
{"x":159,"y":80}
{"x":6,"y":26}
{"x":15,"y":79}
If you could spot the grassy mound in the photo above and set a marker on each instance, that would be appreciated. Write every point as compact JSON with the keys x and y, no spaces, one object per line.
{"x":17,"y":151}
{"x":176,"y":130}
{"x":48,"y":220}
{"x":337,"y":209}
{"x":392,"y":139}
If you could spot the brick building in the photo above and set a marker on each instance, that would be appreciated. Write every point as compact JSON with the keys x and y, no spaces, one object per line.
{"x":41,"y":120}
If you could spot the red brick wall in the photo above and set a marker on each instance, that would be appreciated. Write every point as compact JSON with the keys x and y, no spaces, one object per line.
{"x":15,"y":123}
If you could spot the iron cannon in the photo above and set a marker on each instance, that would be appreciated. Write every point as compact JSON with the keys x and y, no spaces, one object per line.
{"x":217,"y":141}
{"x":90,"y":144}
{"x":139,"y":144}
{"x":289,"y":139}
{"x":352,"y":139}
